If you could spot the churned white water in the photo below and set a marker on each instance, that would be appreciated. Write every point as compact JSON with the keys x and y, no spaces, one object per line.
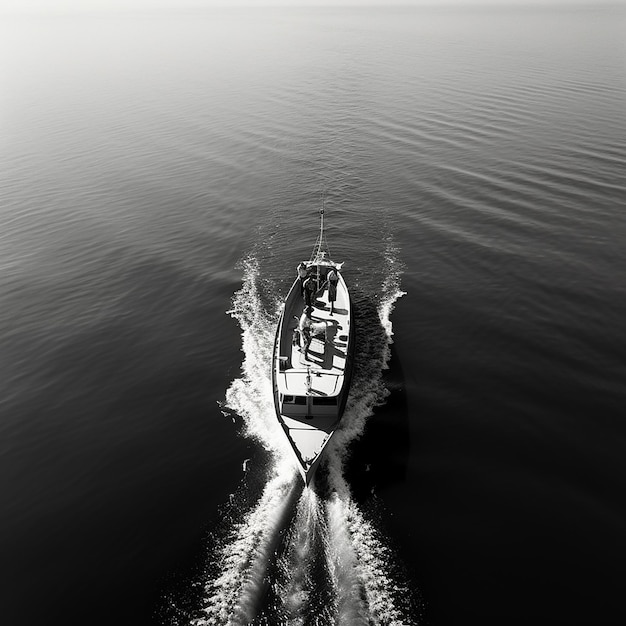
{"x":310,"y":552}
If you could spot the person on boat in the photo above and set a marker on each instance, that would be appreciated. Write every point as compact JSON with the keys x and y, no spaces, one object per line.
{"x":333,"y":279}
{"x":309,"y":291}
{"x":304,"y":325}
{"x":302,"y":274}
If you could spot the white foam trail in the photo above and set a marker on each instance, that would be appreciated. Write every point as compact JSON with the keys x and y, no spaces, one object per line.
{"x":381,"y":590}
{"x":251,"y":395}
{"x":343,"y":565}
{"x":234,"y":595}
{"x":367,"y":592}
{"x":298,"y":562}
{"x":391,"y":294}
{"x":363,"y":590}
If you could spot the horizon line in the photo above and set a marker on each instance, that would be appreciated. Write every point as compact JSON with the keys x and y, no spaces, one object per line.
{"x":75,"y":7}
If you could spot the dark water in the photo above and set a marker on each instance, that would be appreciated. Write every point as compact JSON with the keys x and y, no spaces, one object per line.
{"x":159,"y":181}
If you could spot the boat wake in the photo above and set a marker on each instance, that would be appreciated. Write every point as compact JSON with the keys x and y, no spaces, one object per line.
{"x":293,"y":555}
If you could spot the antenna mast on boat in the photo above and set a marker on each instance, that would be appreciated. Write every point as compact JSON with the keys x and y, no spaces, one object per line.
{"x":322,"y":222}
{"x":321,"y":250}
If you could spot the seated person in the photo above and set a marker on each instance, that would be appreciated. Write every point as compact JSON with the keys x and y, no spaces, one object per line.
{"x":306,"y":322}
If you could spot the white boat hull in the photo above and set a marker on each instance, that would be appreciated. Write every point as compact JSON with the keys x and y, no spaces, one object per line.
{"x":311,"y":386}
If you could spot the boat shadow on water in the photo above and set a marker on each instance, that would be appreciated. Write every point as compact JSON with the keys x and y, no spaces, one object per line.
{"x":378,"y":458}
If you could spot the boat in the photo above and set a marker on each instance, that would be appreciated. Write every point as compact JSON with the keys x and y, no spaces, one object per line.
{"x":312,"y":359}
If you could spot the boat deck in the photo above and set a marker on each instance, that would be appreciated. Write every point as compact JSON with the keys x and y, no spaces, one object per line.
{"x":327,"y":354}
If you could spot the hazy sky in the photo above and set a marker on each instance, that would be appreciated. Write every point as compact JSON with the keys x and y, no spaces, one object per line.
{"x":99,"y":5}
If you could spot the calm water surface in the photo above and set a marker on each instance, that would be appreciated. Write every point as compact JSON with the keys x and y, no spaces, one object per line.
{"x":160,"y":177}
